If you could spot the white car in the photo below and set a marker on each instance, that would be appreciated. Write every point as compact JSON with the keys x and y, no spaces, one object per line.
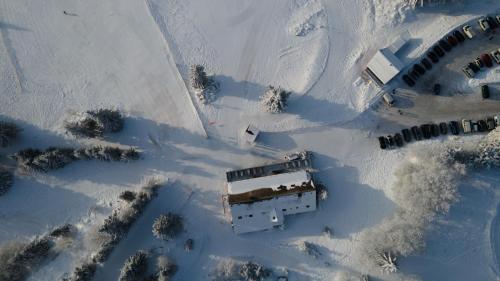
{"x":497,"y":120}
{"x":496,"y":55}
{"x":469,"y":32}
{"x":498,"y":19}
{"x":468,"y":72}
{"x":389,"y":100}
{"x":466,"y":126}
{"x":483,"y":23}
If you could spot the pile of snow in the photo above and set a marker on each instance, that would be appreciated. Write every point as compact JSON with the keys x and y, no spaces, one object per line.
{"x":309,"y":16}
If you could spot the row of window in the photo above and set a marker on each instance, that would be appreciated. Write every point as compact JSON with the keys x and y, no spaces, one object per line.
{"x":264,"y":213}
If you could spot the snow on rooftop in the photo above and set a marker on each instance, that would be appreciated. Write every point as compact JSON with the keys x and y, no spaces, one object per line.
{"x":385,"y":65}
{"x":274,"y":181}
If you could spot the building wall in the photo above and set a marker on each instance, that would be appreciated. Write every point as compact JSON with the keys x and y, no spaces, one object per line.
{"x":258,"y":215}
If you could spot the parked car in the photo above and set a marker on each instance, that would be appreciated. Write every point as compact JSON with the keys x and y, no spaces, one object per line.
{"x":485,"y":91}
{"x":383,"y":142}
{"x":483,"y":23}
{"x":481,"y":126}
{"x":487,"y":60}
{"x":414,"y":74}
{"x":454,"y":128}
{"x":468,"y":71}
{"x":452,"y":40}
{"x":438,"y":51}
{"x":492,"y":22}
{"x":418,"y":68}
{"x":474,"y":67}
{"x":479,"y":63}
{"x":490,"y":122}
{"x":444,"y":45}
{"x":407,"y":135}
{"x":389,"y":100}
{"x":435,"y":130}
{"x":426,"y":131}
{"x":459,"y":36}
{"x":497,"y":17}
{"x":398,"y":139}
{"x":466,"y":126}
{"x":408,"y":80}
{"x":496,"y":55}
{"x":390,"y":141}
{"x":417,"y":134}
{"x":443,"y":128}
{"x":469,"y":32}
{"x":426,"y":63}
{"x":433,"y":57}
{"x":475,"y":126}
{"x":436,"y":89}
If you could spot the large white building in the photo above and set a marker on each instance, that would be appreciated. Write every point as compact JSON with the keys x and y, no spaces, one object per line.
{"x":259,"y":198}
{"x":385,"y":65}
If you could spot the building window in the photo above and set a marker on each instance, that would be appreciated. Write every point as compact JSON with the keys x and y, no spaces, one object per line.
{"x":307,"y":206}
{"x":239,"y":217}
{"x":299,"y":195}
{"x":274,"y":218}
{"x":250,"y":215}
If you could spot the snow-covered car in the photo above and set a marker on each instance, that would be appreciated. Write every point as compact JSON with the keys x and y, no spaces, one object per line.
{"x":466,"y":126}
{"x":469,"y":32}
{"x":497,"y":120}
{"x":496,"y":55}
{"x":490,"y":122}
{"x":483,"y":23}
{"x":389,"y":100}
{"x":468,"y":71}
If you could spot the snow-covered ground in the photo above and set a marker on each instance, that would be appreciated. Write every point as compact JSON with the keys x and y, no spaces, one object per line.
{"x":135,"y":56}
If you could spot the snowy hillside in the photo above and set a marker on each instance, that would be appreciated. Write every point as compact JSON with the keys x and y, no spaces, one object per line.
{"x":59,"y":58}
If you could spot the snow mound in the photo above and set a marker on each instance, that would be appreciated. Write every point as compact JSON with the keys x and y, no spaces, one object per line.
{"x":309,"y":17}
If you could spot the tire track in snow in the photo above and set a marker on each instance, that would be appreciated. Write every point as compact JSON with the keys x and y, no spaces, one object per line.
{"x":11,"y":54}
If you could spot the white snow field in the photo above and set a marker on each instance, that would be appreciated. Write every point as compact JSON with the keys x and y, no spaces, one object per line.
{"x":63,"y":56}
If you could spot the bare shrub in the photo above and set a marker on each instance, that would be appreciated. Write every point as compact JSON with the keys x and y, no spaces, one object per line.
{"x":66,"y":230}
{"x":6,"y":181}
{"x":135,"y":267}
{"x":112,"y":120}
{"x":274,"y":99}
{"x":8,"y":133}
{"x":127,"y":195}
{"x":85,"y":272}
{"x":168,"y":226}
{"x":310,"y":249}
{"x":166,"y":268}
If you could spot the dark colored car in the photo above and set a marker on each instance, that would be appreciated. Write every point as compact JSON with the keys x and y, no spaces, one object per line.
{"x":485,"y":91}
{"x":460,"y":37}
{"x":493,"y":23}
{"x":438,"y":51}
{"x":452,"y":40}
{"x":490,"y":122}
{"x":435,"y":130}
{"x":454,"y":128}
{"x":486,"y":58}
{"x":474,"y":67}
{"x":391,"y":141}
{"x":433,"y":57}
{"x":426,"y":63}
{"x":417,"y":134}
{"x":408,"y":80}
{"x":443,"y":128}
{"x":398,"y":139}
{"x":407,"y":134}
{"x":383,"y":142}
{"x":482,"y":126}
{"x":436,"y":89}
{"x":418,"y":68}
{"x":426,"y":131}
{"x":444,"y":45}
{"x":479,"y":62}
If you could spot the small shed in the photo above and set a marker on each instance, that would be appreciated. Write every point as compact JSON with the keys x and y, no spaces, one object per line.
{"x":251,"y":133}
{"x":384,"y":66}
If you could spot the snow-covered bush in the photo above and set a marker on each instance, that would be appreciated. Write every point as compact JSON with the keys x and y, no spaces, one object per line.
{"x":230,"y":269}
{"x":168,"y":226}
{"x":94,"y":124}
{"x":127,"y":195}
{"x":205,"y":87}
{"x":321,"y":191}
{"x":8,"y":133}
{"x":166,"y":268}
{"x":328,"y":232}
{"x":274,"y":99}
{"x":135,"y":267}
{"x":85,"y":272}
{"x":6,"y":181}
{"x":310,"y":249}
{"x":345,"y":276}
{"x":18,"y":261}
{"x":66,"y":230}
